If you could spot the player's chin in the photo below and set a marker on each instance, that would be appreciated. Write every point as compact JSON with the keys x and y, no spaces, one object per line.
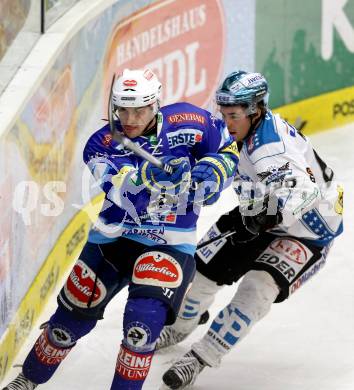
{"x":234,"y":135}
{"x":132,"y":131}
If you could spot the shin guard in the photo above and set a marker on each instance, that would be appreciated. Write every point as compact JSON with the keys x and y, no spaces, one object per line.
{"x":143,"y":321}
{"x":59,"y":336}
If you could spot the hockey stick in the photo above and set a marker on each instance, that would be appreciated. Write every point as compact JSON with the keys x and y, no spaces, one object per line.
{"x":299,"y":124}
{"x":127,"y":143}
{"x":217,"y":238}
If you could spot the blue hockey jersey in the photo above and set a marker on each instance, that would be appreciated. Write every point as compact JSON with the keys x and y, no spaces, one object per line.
{"x":183,"y":130}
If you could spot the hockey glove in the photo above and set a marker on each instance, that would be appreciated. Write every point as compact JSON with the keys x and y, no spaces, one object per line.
{"x":208,"y":178}
{"x":156,"y":179}
{"x":258,"y":221}
{"x":232,"y":221}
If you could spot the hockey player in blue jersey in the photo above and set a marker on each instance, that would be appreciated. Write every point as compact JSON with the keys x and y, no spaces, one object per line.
{"x":145,"y":235}
{"x":289,"y":214}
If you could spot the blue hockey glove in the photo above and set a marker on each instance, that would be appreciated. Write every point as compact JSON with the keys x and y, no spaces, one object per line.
{"x":208,"y":178}
{"x":156,"y":179}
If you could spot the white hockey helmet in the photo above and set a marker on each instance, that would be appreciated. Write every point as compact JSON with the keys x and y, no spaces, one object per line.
{"x":136,"y":88}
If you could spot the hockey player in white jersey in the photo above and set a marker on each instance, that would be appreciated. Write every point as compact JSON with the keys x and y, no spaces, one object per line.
{"x":290,"y":210}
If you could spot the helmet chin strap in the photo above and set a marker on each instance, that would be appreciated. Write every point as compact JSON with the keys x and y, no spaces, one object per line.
{"x":154,"y":118}
{"x":147,"y":127}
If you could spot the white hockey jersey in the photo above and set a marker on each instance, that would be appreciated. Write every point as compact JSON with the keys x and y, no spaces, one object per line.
{"x":277,"y":160}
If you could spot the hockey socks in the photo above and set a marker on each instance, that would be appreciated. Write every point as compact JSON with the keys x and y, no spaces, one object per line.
{"x":143,"y":321}
{"x":59,"y":336}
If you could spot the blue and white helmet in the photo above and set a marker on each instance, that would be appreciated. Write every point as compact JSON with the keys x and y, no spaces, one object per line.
{"x":244,"y":88}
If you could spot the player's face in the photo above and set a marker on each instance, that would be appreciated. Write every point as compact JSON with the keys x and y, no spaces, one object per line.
{"x":135,"y":119}
{"x":236,"y":120}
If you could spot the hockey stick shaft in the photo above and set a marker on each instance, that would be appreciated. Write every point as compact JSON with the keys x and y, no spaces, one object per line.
{"x":127,"y":143}
{"x":217,"y":238}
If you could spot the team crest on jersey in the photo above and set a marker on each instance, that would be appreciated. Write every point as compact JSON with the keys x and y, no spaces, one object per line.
{"x":251,"y":143}
{"x":138,"y":335}
{"x":184,"y":137}
{"x":107,"y":140}
{"x":266,"y":135}
{"x":275,"y":174}
{"x":157,"y":269}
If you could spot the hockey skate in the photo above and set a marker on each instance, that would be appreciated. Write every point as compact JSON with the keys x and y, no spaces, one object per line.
{"x":169,"y":336}
{"x":20,"y":383}
{"x":184,"y":372}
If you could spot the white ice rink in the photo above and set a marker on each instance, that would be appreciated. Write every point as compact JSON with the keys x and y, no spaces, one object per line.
{"x":305,"y":343}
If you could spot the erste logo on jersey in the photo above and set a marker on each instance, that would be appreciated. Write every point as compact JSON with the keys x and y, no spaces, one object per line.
{"x":184,"y":137}
{"x":81,"y":285}
{"x":157,"y":269}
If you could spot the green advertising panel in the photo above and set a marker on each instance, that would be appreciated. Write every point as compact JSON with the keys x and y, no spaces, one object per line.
{"x":305,"y":48}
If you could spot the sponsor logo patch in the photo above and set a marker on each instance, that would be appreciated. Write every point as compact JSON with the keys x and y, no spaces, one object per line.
{"x":293,"y":250}
{"x":232,"y":148}
{"x":186,"y":117}
{"x":79,"y":286}
{"x":218,"y":340}
{"x":275,"y":174}
{"x":62,"y":337}
{"x":107,"y":140}
{"x":148,"y":74}
{"x":130,"y":83}
{"x":157,"y":269}
{"x":311,"y":175}
{"x":338,"y":207}
{"x":184,"y":137}
{"x":286,"y":256}
{"x":169,"y":218}
{"x":132,"y":365}
{"x":208,"y":252}
{"x":307,"y":275}
{"x":150,"y":234}
{"x":47,"y":353}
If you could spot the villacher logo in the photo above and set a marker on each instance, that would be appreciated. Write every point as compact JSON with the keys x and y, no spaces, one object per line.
{"x":158,"y":269}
